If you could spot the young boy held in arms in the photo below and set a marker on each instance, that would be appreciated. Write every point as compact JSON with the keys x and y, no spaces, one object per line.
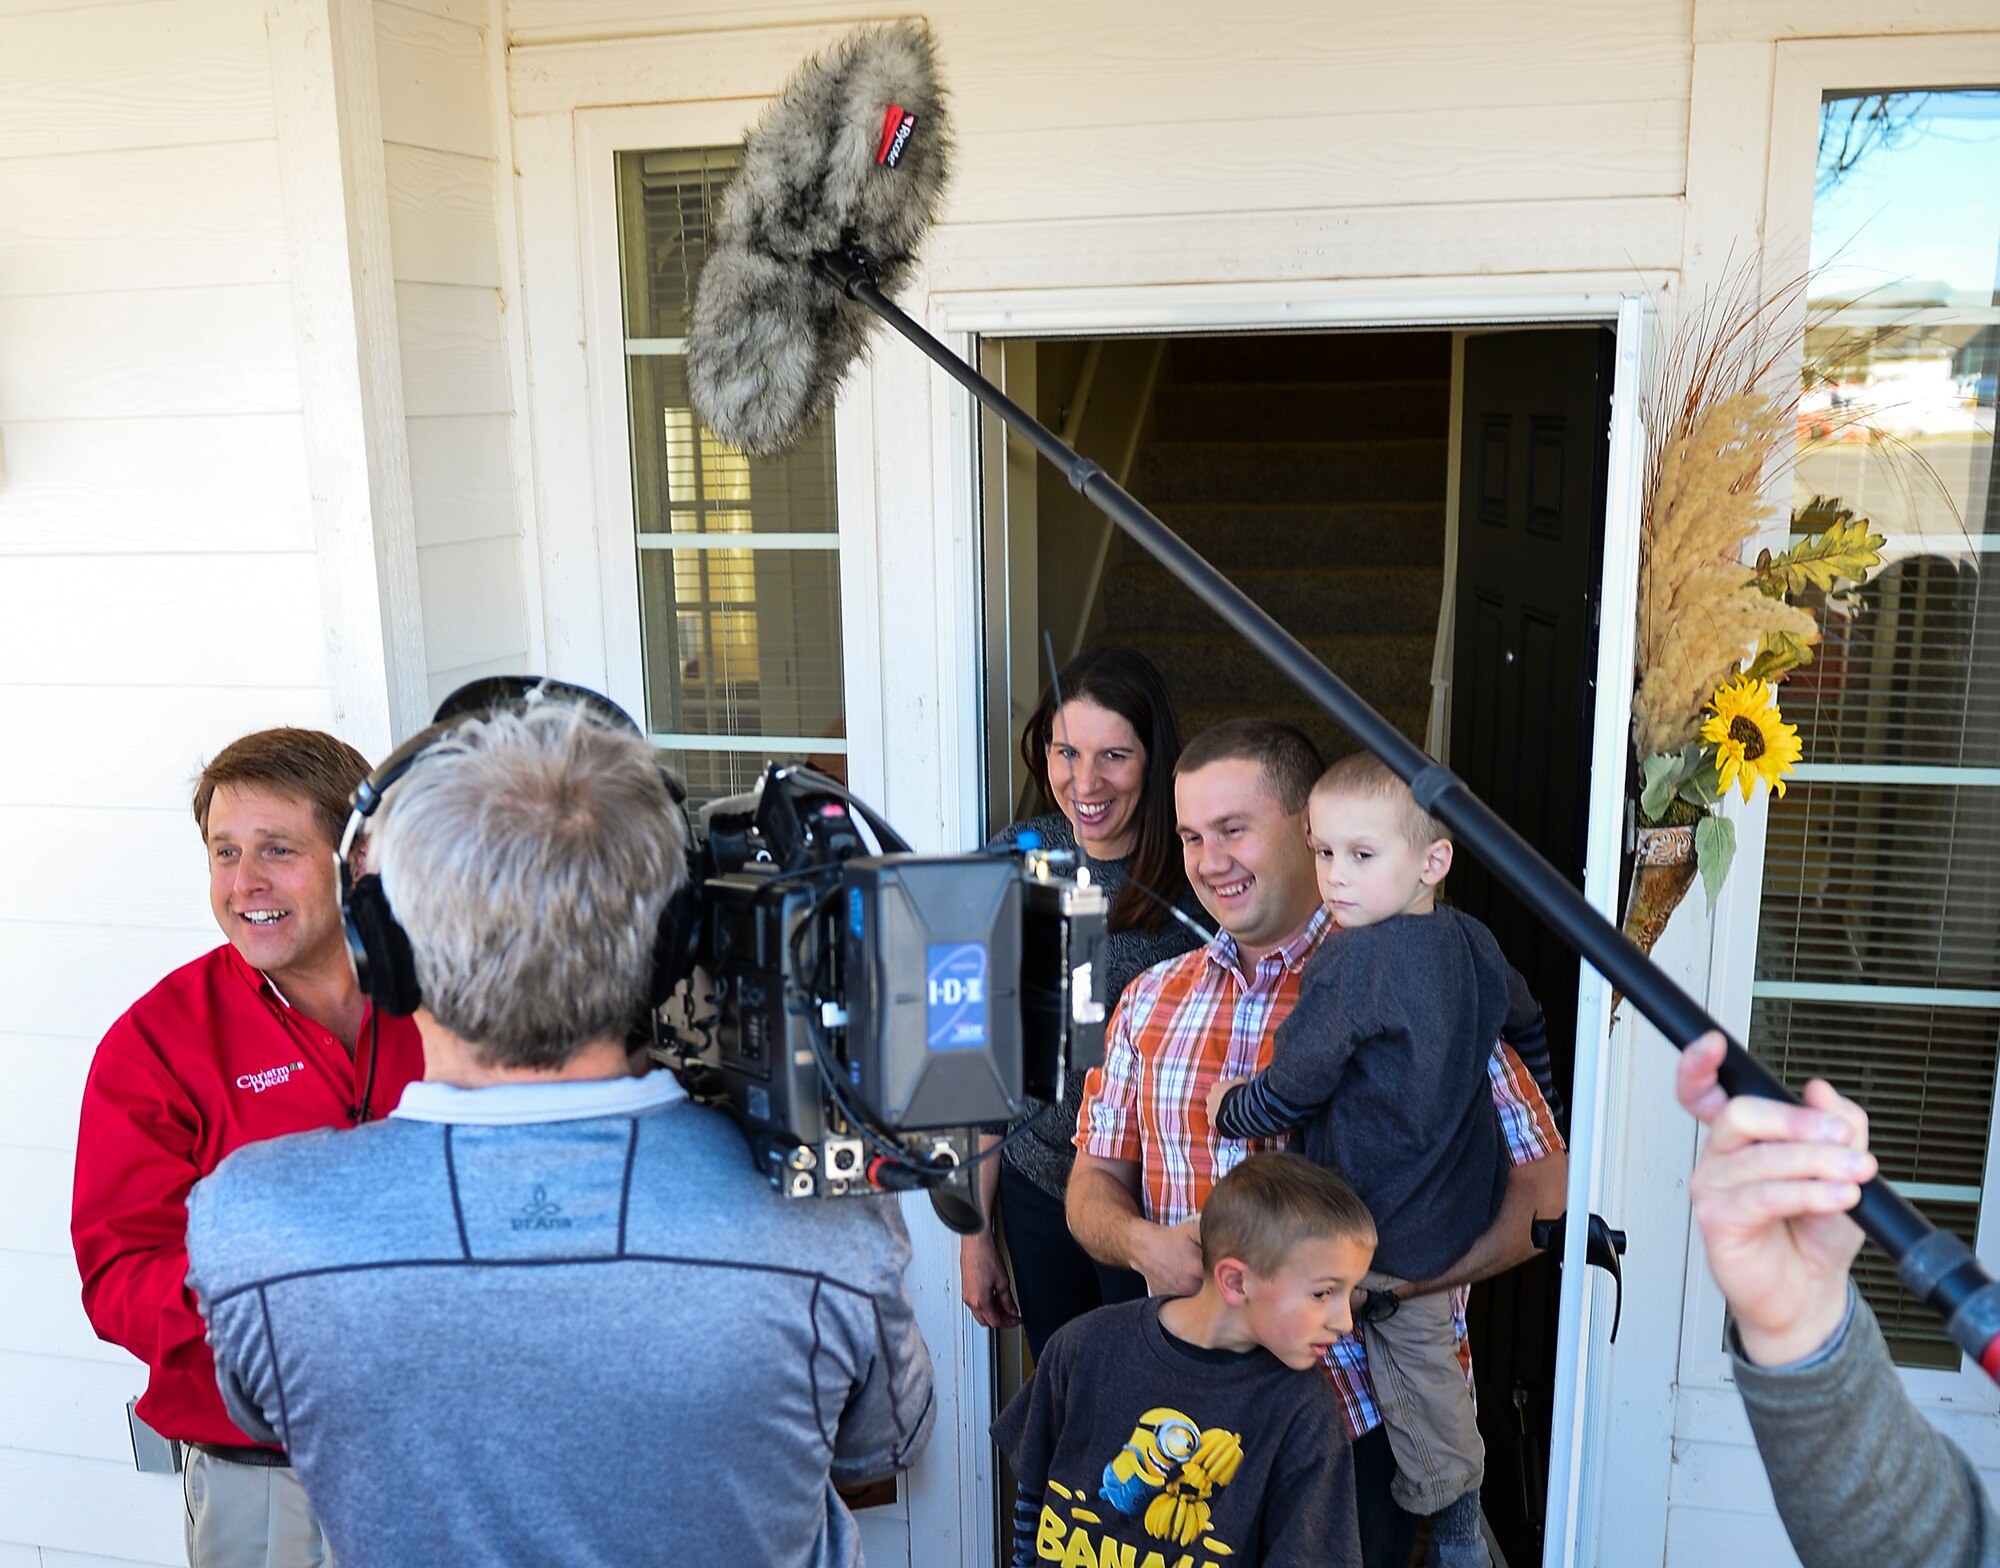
{"x":1180,"y":1433}
{"x":1383,"y":1064}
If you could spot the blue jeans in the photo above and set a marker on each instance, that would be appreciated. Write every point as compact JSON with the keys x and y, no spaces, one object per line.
{"x":1054,"y":1279}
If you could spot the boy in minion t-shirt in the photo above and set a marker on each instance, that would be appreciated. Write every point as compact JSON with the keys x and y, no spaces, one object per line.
{"x":1197,"y":1432}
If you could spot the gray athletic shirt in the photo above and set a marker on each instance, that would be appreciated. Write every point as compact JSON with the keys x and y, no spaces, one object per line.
{"x":507,"y":1335}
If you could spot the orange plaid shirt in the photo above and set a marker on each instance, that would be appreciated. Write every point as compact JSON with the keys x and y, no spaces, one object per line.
{"x":1184,"y":1024}
{"x":1180,"y":1027}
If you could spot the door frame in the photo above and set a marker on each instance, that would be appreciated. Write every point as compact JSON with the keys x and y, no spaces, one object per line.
{"x":965,"y":318}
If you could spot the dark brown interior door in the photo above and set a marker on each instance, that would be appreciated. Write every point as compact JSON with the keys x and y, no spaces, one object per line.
{"x":1534,"y":443}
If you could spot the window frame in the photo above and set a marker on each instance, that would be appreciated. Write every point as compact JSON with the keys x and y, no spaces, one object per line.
{"x":1803,"y":72}
{"x":601,"y":134}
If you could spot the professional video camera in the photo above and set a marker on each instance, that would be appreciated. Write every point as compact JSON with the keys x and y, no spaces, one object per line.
{"x":862,"y":1015}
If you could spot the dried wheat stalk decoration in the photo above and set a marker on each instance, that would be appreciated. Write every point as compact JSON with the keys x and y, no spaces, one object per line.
{"x":1717,"y":421}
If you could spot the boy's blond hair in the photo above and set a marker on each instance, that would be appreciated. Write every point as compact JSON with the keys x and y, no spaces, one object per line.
{"x":1269,"y":1204}
{"x":1368,"y":775}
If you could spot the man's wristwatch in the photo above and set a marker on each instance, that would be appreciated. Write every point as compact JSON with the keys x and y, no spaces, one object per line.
{"x":1378,"y":1306}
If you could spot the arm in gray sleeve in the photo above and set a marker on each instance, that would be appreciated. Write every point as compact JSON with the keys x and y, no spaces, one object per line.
{"x":243,"y":1409}
{"x":890,"y":1410}
{"x":1308,"y":1055}
{"x":1527,"y":1031}
{"x":1859,"y":1476}
{"x":1255,"y":1110}
{"x":244,"y":1360}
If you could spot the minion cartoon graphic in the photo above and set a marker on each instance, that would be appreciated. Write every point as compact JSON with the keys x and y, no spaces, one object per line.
{"x":1168,"y":1470}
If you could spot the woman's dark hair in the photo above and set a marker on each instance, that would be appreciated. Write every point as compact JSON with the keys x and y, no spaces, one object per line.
{"x":1127,"y":683}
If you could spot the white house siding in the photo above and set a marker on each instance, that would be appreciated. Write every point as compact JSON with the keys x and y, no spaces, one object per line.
{"x":159,"y":594}
{"x":444,"y":233}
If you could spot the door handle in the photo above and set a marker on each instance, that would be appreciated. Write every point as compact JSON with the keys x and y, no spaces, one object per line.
{"x":1603,"y":1249}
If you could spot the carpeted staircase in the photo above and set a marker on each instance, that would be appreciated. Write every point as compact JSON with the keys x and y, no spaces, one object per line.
{"x":1311,"y":469}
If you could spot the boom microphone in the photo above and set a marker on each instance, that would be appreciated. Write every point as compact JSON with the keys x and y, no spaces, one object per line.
{"x":852,"y":155}
{"x":774,"y":330}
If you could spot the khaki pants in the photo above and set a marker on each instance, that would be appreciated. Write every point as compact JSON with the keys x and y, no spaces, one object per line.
{"x":248,"y":1516}
{"x":1426,"y":1408}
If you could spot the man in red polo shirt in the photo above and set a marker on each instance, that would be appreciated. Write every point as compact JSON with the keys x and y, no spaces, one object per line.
{"x":266,"y":1035}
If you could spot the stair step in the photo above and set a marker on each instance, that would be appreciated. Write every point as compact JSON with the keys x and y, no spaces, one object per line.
{"x":1333,"y":741}
{"x":1301,"y":411}
{"x":1312,"y":356}
{"x":1411,"y":470}
{"x":1388,"y":670}
{"x":1140,"y":597}
{"x":1351,"y":533}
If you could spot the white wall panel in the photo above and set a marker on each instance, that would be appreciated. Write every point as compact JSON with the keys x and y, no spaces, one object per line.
{"x":1701,"y":1538}
{"x":170,"y":74}
{"x":141,"y":219}
{"x":150,"y":352}
{"x":1495,"y":240}
{"x":462,"y":474}
{"x":454,"y":350}
{"x":433,"y":76}
{"x":162,"y":878}
{"x":112,"y":746}
{"x":1764,"y":20}
{"x":45,"y":1316}
{"x":95,"y":1507}
{"x":178,"y":621}
{"x":557,"y":386}
{"x":1552,"y":152}
{"x":441,"y":217}
{"x":1047,"y":62}
{"x":67,"y":1406}
{"x":35,"y":1217}
{"x":67,"y":981}
{"x":445,"y":682}
{"x":44,"y":1077}
{"x":205,"y":483}
{"x":458,"y":388}
{"x":470,"y":12}
{"x":472,"y":603}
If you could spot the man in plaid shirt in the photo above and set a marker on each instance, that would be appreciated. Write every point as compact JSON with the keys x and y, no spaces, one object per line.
{"x":1147,"y":1157}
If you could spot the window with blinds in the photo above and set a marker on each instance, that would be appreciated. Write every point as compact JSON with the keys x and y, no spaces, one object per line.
{"x":1878,"y":961}
{"x":739,"y":565}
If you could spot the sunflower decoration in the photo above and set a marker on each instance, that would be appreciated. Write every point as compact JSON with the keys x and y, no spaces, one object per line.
{"x":1693,"y":753}
{"x":1752,"y":741}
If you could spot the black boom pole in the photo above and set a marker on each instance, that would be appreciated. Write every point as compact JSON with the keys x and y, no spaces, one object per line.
{"x":1935,"y":1266}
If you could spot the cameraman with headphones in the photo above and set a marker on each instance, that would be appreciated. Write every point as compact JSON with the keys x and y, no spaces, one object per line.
{"x":547,"y":1311}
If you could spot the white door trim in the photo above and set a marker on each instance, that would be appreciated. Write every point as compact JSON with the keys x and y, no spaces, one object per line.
{"x":1581,"y":1357}
{"x":1444,"y":302}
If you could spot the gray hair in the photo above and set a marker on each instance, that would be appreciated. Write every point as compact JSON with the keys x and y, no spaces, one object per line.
{"x":529,"y":855}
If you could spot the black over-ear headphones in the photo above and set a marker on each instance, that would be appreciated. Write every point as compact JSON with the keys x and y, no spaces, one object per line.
{"x":384,"y":966}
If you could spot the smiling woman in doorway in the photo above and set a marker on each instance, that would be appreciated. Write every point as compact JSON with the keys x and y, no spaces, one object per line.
{"x":1105,"y":759}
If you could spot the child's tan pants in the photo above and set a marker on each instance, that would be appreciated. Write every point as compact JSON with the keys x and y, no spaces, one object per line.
{"x":1426,"y":1408}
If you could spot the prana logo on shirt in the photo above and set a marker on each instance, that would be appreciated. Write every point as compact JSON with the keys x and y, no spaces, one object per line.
{"x":538,"y":1213}
{"x":269,"y":1078}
